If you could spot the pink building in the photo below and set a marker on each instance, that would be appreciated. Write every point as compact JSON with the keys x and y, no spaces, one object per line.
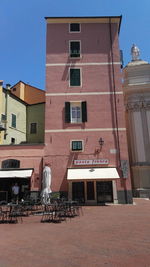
{"x":85,"y":134}
{"x":21,"y":164}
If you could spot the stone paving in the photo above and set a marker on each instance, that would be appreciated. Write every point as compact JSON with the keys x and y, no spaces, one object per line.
{"x":112,"y":236}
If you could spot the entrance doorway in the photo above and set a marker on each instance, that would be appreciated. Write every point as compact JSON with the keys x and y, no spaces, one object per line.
{"x":6,"y":187}
{"x":104,"y":191}
{"x":78,"y":191}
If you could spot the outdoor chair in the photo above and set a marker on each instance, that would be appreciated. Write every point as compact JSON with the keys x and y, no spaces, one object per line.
{"x":54,"y":213}
{"x":15,"y":214}
{"x":2,"y":216}
{"x":47,"y":215}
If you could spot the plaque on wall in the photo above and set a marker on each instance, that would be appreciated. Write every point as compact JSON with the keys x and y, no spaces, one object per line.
{"x":91,"y":161}
{"x":125,"y":168}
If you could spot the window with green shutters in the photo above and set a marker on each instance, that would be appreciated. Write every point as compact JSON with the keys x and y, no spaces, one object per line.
{"x":77,"y":146}
{"x":13,"y":120}
{"x":75,"y":79}
{"x":75,"y":112}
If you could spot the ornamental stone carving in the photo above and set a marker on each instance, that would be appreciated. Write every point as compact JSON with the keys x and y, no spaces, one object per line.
{"x":137,"y":106}
{"x":135,"y":52}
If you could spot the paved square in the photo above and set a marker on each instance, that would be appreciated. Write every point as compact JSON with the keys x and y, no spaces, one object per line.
{"x":113,"y":236}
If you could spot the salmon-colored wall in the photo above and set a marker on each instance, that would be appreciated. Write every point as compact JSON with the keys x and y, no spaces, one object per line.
{"x":29,"y":157}
{"x":97,"y":77}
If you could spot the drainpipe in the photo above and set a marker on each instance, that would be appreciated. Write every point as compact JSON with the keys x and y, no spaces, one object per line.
{"x":114,"y":90}
{"x":6,"y":106}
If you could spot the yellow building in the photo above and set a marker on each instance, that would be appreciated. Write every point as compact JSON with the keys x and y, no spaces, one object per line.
{"x":12,"y":117}
{"x":21,"y":114}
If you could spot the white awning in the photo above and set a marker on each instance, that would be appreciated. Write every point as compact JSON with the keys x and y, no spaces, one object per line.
{"x":92,"y":173}
{"x":16,"y":173}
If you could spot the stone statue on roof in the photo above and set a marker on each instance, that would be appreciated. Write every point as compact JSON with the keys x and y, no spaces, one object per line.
{"x":135,"y":52}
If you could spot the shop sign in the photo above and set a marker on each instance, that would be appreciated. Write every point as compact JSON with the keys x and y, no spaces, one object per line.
{"x":91,"y":161}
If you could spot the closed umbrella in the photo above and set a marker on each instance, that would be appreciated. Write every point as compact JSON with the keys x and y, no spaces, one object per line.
{"x":46,"y":185}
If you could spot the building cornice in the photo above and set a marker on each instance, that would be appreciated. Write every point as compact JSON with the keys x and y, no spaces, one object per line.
{"x":136,"y":89}
{"x":102,"y":19}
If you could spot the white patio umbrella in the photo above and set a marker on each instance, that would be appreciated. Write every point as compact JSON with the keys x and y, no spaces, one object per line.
{"x":46,"y":185}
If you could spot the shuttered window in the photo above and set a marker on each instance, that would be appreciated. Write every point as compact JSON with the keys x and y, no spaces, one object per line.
{"x":75,"y":77}
{"x":75,"y":112}
{"x":13,"y":120}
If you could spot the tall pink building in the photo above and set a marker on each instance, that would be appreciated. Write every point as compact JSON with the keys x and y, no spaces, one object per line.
{"x":85,"y":134}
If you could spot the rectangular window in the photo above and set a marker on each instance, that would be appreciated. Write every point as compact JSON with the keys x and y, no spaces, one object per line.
{"x":75,"y":112}
{"x":13,"y":120}
{"x":74,"y":49}
{"x":12,"y":140}
{"x":75,"y":77}
{"x":33,"y":128}
{"x":3,"y":117}
{"x":76,"y":146}
{"x":74,"y":27}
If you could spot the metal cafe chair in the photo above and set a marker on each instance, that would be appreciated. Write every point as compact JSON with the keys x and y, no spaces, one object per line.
{"x":15,"y":214}
{"x":47,"y":215}
{"x":53,"y":213}
{"x":2,"y":215}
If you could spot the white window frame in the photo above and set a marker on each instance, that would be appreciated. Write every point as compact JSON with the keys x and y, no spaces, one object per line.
{"x":74,"y":31}
{"x":73,"y":103}
{"x":70,"y":49}
{"x":77,"y":140}
{"x":78,"y":86}
{"x":30,"y":127}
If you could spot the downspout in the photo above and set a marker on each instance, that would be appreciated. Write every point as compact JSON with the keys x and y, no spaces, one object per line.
{"x":6,"y":107}
{"x":114,"y":91}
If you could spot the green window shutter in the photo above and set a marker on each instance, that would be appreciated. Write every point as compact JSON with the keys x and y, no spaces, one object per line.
{"x":13,"y":121}
{"x":67,"y":112}
{"x":84,"y":111}
{"x":75,"y":77}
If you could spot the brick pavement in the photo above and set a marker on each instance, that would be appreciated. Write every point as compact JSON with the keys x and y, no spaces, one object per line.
{"x":112,"y":236}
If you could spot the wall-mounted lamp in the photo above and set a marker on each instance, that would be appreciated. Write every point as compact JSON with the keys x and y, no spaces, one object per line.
{"x":101,"y":142}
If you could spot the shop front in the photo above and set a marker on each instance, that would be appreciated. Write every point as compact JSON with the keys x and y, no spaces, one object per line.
{"x":10,"y":177}
{"x":93,"y":186}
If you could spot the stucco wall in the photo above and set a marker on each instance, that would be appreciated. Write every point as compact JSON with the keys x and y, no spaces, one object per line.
{"x":35,"y":114}
{"x":29,"y":157}
{"x":96,"y":89}
{"x":19,"y":109}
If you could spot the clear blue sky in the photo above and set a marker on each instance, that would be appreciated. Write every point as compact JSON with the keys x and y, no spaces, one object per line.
{"x":23,"y":32}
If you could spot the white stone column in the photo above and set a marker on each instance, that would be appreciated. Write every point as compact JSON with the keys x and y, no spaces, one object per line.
{"x":138,"y":135}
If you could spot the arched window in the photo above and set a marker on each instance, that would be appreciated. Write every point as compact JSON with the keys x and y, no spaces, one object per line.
{"x":11,"y":163}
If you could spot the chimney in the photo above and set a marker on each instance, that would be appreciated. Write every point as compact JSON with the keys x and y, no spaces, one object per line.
{"x":1,"y":83}
{"x":8,"y":86}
